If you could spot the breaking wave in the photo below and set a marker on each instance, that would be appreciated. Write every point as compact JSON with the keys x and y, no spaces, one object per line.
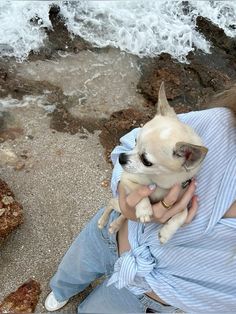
{"x":141,"y":27}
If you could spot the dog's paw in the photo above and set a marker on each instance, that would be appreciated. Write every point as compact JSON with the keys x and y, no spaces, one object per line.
{"x":114,"y":227}
{"x":102,"y":222}
{"x":144,"y":210}
{"x":144,"y":215}
{"x":145,"y":218}
{"x":164,"y":234}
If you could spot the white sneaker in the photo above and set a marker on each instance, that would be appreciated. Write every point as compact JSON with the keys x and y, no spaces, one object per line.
{"x":51,"y":304}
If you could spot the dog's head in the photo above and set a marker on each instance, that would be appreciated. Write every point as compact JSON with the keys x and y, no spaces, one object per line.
{"x":164,"y":144}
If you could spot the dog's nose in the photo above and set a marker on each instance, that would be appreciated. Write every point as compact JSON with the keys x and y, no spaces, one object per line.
{"x":123,"y":158}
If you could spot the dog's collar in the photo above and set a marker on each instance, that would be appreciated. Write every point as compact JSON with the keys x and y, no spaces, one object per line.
{"x":183,"y":184}
{"x":186,"y":183}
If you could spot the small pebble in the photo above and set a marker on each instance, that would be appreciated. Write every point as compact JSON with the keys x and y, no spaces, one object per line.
{"x":2,"y":211}
{"x":7,"y":200}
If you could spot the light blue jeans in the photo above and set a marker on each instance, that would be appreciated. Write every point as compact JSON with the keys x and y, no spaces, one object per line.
{"x":92,"y":255}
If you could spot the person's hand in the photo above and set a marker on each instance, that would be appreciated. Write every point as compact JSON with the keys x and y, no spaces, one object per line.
{"x":160,"y":213}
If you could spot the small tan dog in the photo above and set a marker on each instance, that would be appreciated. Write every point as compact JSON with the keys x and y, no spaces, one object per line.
{"x":167,"y":151}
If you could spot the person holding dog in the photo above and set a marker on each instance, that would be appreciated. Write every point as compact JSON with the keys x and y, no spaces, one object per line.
{"x":195,"y":271}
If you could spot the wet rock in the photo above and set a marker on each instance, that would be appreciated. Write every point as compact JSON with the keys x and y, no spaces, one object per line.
{"x":3,"y":74}
{"x":186,"y":85}
{"x":18,"y":87}
{"x":216,"y":35}
{"x":189,"y":85}
{"x":23,"y":300}
{"x":119,"y":124}
{"x":11,"y":211}
{"x":63,"y":121}
{"x":64,"y":42}
{"x":9,"y":127}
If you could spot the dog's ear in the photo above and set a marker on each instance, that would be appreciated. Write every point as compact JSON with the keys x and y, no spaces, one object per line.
{"x":192,"y":155}
{"x":163,"y":107}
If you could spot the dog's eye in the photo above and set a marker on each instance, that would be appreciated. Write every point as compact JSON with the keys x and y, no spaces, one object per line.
{"x":145,"y":161}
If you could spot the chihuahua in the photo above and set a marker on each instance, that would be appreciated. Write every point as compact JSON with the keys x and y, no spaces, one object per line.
{"x":167,"y":151}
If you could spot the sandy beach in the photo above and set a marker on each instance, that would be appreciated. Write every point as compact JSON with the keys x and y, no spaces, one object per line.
{"x":65,"y":177}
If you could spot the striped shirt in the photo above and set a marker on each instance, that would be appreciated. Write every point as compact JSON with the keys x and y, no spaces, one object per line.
{"x":196,"y":270}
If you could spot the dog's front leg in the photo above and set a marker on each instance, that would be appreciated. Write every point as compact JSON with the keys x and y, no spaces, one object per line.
{"x":172,"y":225}
{"x":113,"y":204}
{"x":116,"y":224}
{"x":144,"y":210}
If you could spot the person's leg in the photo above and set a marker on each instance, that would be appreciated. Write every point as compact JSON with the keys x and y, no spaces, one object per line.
{"x":105,"y":299}
{"x":92,"y":254}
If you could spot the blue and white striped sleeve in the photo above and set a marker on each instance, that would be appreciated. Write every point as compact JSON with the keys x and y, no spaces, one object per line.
{"x":127,"y":143}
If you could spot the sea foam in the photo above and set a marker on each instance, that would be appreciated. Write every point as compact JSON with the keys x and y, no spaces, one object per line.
{"x":141,"y":27}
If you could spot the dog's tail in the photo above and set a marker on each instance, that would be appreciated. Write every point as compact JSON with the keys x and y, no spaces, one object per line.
{"x":226,"y":98}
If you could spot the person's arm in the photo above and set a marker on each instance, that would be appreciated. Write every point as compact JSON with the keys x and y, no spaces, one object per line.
{"x":231,"y":213}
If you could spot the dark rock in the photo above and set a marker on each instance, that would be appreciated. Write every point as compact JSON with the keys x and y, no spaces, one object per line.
{"x":11,"y":212}
{"x":17,"y":86}
{"x":187,"y":85}
{"x":63,"y":121}
{"x":9,"y":127}
{"x":59,"y":38}
{"x":216,"y":35}
{"x":118,"y":125}
{"x":23,"y":300}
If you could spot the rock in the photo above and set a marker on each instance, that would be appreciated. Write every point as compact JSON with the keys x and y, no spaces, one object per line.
{"x":11,"y":211}
{"x":19,"y":165}
{"x":63,"y":43}
{"x":104,"y":184}
{"x":216,"y":35}
{"x":23,"y":300}
{"x":190,"y":85}
{"x":8,"y":157}
{"x":63,"y":121}
{"x":187,"y":85}
{"x":120,"y":123}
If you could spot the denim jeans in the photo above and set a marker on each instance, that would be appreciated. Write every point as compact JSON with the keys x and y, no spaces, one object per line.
{"x":92,"y":255}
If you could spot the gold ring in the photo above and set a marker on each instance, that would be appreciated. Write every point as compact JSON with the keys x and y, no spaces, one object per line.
{"x":166,"y":205}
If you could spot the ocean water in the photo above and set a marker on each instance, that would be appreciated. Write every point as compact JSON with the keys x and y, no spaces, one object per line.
{"x":139,"y":27}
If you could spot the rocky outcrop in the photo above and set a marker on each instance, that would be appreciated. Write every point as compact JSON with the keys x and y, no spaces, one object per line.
{"x":11,"y":212}
{"x":119,"y":124}
{"x":189,"y":85}
{"x":23,"y":300}
{"x":59,"y":38}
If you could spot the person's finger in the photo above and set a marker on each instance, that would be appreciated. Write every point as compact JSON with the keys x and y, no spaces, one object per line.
{"x":192,"y":210}
{"x":188,"y":194}
{"x":160,"y":211}
{"x":136,"y":196}
{"x":163,"y":214}
{"x":128,"y":212}
{"x":172,"y":195}
{"x":128,"y":202}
